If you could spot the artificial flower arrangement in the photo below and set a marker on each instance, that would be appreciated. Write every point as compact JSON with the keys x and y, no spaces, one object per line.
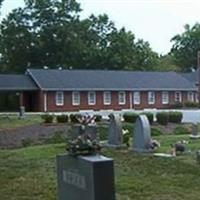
{"x":83,"y":144}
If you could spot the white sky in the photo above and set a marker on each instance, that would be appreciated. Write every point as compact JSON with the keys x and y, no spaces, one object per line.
{"x":155,"y":21}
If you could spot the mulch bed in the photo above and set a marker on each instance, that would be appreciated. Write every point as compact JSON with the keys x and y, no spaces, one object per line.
{"x":14,"y":138}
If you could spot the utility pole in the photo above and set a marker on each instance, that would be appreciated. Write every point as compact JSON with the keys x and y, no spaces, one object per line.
{"x":198,"y":74}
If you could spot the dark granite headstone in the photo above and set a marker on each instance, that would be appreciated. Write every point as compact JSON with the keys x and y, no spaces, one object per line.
{"x":142,"y":135}
{"x":85,"y":178}
{"x":92,"y":131}
{"x":81,"y":130}
{"x":115,"y":130}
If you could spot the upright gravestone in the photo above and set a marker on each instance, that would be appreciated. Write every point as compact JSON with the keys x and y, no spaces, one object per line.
{"x":115,"y":130}
{"x":194,"y":134}
{"x":90,"y":129}
{"x":22,"y":112}
{"x":142,"y":135}
{"x":85,"y":177}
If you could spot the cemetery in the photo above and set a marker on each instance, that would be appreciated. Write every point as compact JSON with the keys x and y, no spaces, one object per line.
{"x":127,"y":156}
{"x":94,"y":105}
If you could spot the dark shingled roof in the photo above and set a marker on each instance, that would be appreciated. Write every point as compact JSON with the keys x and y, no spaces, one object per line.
{"x":192,"y":77}
{"x":16,"y":83}
{"x":48,"y":79}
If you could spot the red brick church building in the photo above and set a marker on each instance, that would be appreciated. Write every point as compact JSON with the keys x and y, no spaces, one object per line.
{"x":46,"y":90}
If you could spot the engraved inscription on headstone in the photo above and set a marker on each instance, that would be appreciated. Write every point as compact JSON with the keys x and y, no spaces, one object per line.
{"x":73,"y":178}
{"x":85,"y":178}
{"x":142,"y":135}
{"x":115,"y":130}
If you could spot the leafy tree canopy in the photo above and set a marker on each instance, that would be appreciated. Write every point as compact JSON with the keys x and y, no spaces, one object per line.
{"x":51,"y":33}
{"x":185,"y":47}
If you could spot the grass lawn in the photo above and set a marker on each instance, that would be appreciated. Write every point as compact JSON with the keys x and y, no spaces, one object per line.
{"x":13,"y":121}
{"x":30,"y":173}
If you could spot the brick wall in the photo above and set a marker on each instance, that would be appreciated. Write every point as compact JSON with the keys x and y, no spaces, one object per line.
{"x":51,"y":102}
{"x":52,"y":107}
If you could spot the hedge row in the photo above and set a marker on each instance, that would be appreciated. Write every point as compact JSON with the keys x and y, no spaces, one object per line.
{"x":188,"y":104}
{"x":132,"y":116}
{"x":47,"y":118}
{"x":165,"y":117}
{"x":162,"y":117}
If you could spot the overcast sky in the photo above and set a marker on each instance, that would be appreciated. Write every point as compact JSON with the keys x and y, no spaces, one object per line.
{"x":155,"y":21}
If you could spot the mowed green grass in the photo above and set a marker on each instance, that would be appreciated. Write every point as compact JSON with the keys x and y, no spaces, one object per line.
{"x":13,"y":121}
{"x":30,"y":173}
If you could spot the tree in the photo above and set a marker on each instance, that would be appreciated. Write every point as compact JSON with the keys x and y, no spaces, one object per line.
{"x":166,"y":63}
{"x":120,"y":50}
{"x":146,"y":59}
{"x":34,"y":36}
{"x":185,"y":47}
{"x":50,"y":33}
{"x":1,"y":1}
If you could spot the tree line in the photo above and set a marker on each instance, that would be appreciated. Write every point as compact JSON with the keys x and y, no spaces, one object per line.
{"x":51,"y":33}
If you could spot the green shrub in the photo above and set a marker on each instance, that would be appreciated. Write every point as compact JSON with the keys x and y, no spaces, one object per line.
{"x":177,"y":105}
{"x":98,"y":118}
{"x":149,"y":115}
{"x":175,"y":117}
{"x":126,"y":137}
{"x":181,"y":130}
{"x":162,"y":118}
{"x":73,"y":118}
{"x":190,"y":104}
{"x":103,"y":133}
{"x":130,"y":117}
{"x":156,"y":132}
{"x":62,"y":118}
{"x":128,"y":126}
{"x":47,"y":118}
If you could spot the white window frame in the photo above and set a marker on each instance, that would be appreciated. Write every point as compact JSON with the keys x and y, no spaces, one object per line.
{"x":191,"y":96}
{"x":151,"y":97}
{"x":59,"y":98}
{"x":136,"y":98}
{"x":165,"y":97}
{"x":75,"y":98}
{"x":178,"y":97}
{"x":122,"y":98}
{"x":107,"y":98}
{"x":91,"y":101}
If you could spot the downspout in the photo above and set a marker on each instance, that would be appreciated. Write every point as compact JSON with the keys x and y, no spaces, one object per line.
{"x":45,"y":102}
{"x":130,"y":100}
{"x":198,"y":72}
